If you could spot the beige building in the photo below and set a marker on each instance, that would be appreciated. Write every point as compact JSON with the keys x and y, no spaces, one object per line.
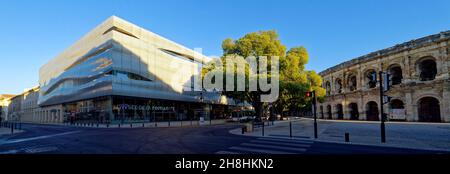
{"x":5,"y":99}
{"x":419,"y":71}
{"x":23,"y":107}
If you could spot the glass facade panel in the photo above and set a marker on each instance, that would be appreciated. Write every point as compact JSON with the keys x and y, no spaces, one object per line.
{"x":152,"y":76}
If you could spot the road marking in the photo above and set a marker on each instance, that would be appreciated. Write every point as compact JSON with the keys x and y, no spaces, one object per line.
{"x":227,"y":152}
{"x":36,"y":138}
{"x":267,"y":145}
{"x":262,"y":151}
{"x":287,"y":140}
{"x":31,"y":150}
{"x":280,"y":143}
{"x":287,"y":136}
{"x":274,"y":147}
{"x":41,"y":149}
{"x":10,"y":152}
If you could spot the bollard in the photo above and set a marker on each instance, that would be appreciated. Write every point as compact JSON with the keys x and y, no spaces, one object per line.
{"x":143,"y":124}
{"x":290,"y":129}
{"x":119,"y":125}
{"x":263,"y":128}
{"x":169,"y":122}
{"x":131,"y":125}
{"x":107,"y":125}
{"x":97,"y":124}
{"x":12,"y":129}
{"x":347,"y":137}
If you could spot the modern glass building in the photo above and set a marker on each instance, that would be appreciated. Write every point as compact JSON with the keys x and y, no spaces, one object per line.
{"x":120,"y":72}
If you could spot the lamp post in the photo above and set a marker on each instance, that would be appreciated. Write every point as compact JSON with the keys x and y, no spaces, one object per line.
{"x":386,"y":87}
{"x":201,"y":101}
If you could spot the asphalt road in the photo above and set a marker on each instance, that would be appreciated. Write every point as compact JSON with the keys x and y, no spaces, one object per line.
{"x":54,"y":139}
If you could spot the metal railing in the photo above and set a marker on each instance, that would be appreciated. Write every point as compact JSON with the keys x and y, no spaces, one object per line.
{"x":13,"y":126}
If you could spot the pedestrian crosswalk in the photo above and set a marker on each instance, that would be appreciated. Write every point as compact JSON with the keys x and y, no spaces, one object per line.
{"x":270,"y":145}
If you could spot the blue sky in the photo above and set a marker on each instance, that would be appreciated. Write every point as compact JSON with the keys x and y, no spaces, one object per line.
{"x":34,"y":31}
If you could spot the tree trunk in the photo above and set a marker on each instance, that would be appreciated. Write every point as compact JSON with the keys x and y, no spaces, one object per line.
{"x":259,"y":110}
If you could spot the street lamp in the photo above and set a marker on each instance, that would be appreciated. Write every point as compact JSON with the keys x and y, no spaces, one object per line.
{"x":384,"y":87}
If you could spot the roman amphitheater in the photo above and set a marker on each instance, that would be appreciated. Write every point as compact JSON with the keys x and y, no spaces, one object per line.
{"x":420,"y":91}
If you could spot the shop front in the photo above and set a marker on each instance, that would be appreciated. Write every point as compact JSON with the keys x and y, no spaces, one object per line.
{"x":120,"y":109}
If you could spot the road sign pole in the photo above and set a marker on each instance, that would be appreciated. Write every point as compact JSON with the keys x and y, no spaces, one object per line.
{"x":383,"y":128}
{"x":315,"y":114}
{"x":263,"y":128}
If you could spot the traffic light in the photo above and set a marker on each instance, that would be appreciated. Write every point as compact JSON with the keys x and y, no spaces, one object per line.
{"x":386,"y":82}
{"x":386,"y":99}
{"x":309,"y":94}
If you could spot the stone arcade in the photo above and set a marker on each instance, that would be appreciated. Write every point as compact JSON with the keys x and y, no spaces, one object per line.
{"x":420,"y":77}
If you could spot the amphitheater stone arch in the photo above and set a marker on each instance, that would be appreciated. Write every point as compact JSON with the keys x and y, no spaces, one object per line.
{"x":421,"y":82}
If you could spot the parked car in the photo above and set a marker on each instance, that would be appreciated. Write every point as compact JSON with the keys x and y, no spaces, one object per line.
{"x":243,"y":116}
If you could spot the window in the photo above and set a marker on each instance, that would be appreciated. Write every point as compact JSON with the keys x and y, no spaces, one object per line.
{"x":127,"y":75}
{"x":339,"y":86}
{"x":120,"y":31}
{"x":352,"y":83}
{"x":180,"y":56}
{"x":396,"y":75}
{"x":371,"y":79}
{"x":328,"y":88}
{"x":91,"y":54}
{"x":428,"y":70}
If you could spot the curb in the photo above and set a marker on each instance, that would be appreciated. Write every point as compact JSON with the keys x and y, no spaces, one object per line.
{"x":339,"y":142}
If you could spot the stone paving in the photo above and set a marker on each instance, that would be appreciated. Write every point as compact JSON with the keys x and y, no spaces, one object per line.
{"x":426,"y":136}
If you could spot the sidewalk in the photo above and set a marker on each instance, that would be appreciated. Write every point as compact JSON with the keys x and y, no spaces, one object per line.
{"x":426,"y":136}
{"x":194,"y":123}
{"x":7,"y":131}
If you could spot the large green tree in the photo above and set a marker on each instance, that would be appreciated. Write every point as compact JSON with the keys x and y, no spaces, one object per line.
{"x":294,"y":79}
{"x":257,"y":44}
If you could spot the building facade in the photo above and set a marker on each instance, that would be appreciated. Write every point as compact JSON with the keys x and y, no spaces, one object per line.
{"x":419,"y":72}
{"x":120,"y":72}
{"x":23,"y":107}
{"x":5,"y":100}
